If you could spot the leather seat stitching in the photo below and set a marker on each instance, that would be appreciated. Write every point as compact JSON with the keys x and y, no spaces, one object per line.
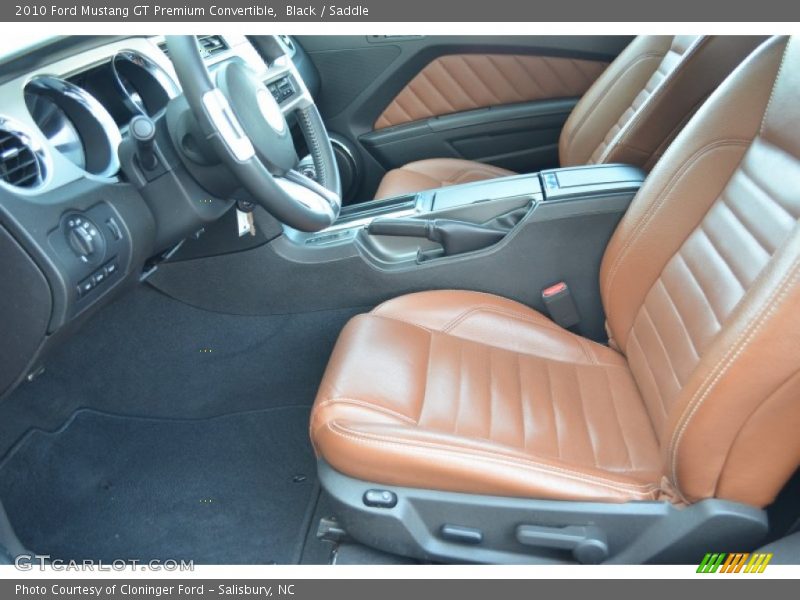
{"x":399,"y":172}
{"x":587,"y":347}
{"x":536,"y":322}
{"x":635,"y":61}
{"x":463,"y":174}
{"x":592,"y":359}
{"x":367,"y":405}
{"x":457,"y":172}
{"x":644,"y":221}
{"x":489,"y":172}
{"x":617,"y":420}
{"x":432,"y":293}
{"x":724,"y":364}
{"x":467,"y":313}
{"x":774,"y":86}
{"x":428,"y":364}
{"x":406,"y":321}
{"x":382,"y":440}
{"x":660,"y":90}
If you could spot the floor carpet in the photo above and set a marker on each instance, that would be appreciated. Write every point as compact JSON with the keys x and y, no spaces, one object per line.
{"x":234,"y":489}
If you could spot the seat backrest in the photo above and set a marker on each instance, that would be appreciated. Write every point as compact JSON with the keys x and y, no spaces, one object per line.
{"x":701,"y":286}
{"x":637,"y":106}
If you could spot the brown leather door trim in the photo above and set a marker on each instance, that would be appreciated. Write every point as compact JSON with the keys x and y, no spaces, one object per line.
{"x":459,"y":82}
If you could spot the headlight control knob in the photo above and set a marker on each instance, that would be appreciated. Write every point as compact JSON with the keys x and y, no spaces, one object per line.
{"x":83,"y":237}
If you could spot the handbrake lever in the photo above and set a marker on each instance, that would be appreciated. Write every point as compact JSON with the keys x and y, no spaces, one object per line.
{"x":455,"y":237}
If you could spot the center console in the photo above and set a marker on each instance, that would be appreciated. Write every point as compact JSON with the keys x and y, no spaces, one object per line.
{"x":513,"y":236}
{"x":454,"y":221}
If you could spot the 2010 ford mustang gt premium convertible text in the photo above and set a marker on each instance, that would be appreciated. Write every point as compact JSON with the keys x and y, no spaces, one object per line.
{"x":400,"y":299}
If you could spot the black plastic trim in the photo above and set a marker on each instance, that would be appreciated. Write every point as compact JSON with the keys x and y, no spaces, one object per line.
{"x":628,"y":533}
{"x":521,"y":137}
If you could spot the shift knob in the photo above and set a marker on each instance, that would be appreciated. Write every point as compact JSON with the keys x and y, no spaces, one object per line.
{"x":143,"y":132}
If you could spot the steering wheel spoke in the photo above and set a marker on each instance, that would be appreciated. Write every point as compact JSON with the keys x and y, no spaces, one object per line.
{"x":309,"y":193}
{"x":244,"y":114}
{"x":300,"y":179}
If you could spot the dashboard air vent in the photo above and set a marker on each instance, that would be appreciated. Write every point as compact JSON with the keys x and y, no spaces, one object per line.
{"x":20,"y":164}
{"x":211,"y":45}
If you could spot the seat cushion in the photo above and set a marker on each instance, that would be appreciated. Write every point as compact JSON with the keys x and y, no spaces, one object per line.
{"x":435,"y":173}
{"x":469,"y":392}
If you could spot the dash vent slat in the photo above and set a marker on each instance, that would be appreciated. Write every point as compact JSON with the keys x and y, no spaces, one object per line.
{"x":19,"y":164}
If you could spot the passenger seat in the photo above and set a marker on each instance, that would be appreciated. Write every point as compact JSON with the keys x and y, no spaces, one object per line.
{"x":629,"y":115}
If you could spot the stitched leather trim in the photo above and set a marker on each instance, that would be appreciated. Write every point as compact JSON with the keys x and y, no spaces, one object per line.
{"x":590,"y":356}
{"x":658,"y":203}
{"x":646,"y":490}
{"x":460,"y":82}
{"x":621,"y":138}
{"x":724,"y":364}
{"x":775,"y":86}
{"x":611,"y":84}
{"x":367,"y":406}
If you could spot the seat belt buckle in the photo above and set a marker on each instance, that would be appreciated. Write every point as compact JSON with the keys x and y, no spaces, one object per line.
{"x":560,"y":305}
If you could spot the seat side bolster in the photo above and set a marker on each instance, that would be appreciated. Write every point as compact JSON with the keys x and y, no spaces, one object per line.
{"x":611,"y":94}
{"x":703,"y":67}
{"x":684,"y":184}
{"x":734,"y":435}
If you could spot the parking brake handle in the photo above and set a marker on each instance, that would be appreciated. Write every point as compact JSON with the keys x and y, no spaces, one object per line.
{"x":456,"y":237}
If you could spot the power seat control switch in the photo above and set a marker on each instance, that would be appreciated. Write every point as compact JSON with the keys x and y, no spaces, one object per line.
{"x":461,"y":535}
{"x":380,"y":498}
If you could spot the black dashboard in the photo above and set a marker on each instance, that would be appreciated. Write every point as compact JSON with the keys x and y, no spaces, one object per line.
{"x":74,"y":230}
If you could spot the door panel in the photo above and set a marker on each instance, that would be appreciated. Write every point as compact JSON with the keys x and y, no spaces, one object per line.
{"x":461,"y":82}
{"x":520,"y":137}
{"x":497,"y":99}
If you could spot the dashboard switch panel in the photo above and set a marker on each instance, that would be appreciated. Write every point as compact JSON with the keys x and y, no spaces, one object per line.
{"x":92,"y":246}
{"x":99,"y":278}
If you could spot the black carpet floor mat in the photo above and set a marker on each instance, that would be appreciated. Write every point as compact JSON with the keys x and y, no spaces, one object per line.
{"x":234,"y":489}
{"x":147,"y":355}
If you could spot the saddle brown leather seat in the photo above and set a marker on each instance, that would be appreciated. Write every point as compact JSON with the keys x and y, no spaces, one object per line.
{"x":629,"y":115}
{"x":697,"y":397}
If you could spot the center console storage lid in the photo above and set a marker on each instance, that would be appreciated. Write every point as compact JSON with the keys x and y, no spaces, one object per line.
{"x":490,"y":189}
{"x":591,"y":180}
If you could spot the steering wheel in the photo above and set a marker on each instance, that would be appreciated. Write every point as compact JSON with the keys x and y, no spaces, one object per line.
{"x":247,"y":127}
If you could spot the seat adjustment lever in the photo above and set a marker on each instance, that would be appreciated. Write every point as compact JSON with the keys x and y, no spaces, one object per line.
{"x":587,"y":543}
